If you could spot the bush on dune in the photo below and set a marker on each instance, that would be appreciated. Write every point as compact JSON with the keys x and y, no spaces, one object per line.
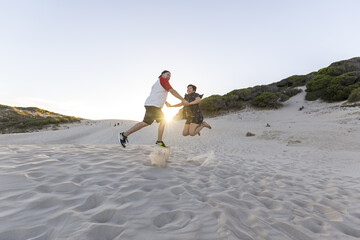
{"x":295,"y":80}
{"x":354,"y":95}
{"x":266,"y":99}
{"x":341,"y":86}
{"x":336,"y":82}
{"x":18,"y":119}
{"x":212,"y":103}
{"x":332,"y":88}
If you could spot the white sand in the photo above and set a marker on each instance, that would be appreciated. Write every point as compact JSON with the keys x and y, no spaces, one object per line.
{"x":298,"y":179}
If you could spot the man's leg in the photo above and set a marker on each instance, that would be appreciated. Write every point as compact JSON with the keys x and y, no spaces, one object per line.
{"x":147,"y":119}
{"x":135,"y":128}
{"x":161,"y":129}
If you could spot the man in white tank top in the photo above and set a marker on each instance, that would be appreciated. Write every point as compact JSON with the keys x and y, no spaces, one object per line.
{"x":153,"y":105}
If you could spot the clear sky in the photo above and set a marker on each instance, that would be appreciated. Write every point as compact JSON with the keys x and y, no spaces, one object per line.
{"x":98,"y":59}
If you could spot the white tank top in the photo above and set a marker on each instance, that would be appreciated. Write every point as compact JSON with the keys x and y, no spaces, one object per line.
{"x":157,"y":96}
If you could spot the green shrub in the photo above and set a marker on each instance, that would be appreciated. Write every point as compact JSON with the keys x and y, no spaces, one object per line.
{"x":312,"y":96}
{"x":332,"y":88}
{"x":354,"y":95}
{"x":231,"y":94}
{"x":283,"y":97}
{"x":266,"y":99}
{"x":246,"y":90}
{"x":336,"y":82}
{"x":341,"y":86}
{"x":319,"y":82}
{"x":211,"y":103}
{"x":332,"y":70}
{"x":239,"y":105}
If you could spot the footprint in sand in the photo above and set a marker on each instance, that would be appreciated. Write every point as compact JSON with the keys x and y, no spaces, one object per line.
{"x":81,"y":177}
{"x":68,"y":187}
{"x":328,"y":213}
{"x":91,"y":202}
{"x":270,"y":204}
{"x":35,"y":175}
{"x":290,"y":231}
{"x":177,"y":190}
{"x":173,"y":220}
{"x":348,"y":230}
{"x":43,"y":189}
{"x":108,"y":215}
{"x":314,"y":225}
{"x":45,"y":203}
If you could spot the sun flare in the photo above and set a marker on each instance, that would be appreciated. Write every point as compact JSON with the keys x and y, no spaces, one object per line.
{"x":170,"y":113}
{"x":168,"y":117}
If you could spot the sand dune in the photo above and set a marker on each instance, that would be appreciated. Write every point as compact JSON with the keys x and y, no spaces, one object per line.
{"x":297,"y":179}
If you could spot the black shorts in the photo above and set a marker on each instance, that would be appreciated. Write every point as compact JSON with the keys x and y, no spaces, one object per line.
{"x":153,"y":114}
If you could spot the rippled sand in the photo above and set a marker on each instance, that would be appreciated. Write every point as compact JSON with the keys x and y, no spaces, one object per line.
{"x":298,"y":179}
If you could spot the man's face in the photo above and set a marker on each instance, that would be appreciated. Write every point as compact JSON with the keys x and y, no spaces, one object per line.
{"x":166,"y":75}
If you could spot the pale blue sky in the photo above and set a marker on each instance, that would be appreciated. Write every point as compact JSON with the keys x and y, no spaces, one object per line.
{"x":99,"y":59}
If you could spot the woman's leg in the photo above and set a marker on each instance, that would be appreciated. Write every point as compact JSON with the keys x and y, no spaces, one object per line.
{"x":205,"y":124}
{"x":193,"y":130}
{"x":186,"y":130}
{"x":196,"y":128}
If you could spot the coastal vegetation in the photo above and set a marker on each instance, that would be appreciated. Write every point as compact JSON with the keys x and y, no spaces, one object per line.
{"x":20,"y":119}
{"x":354,"y":95}
{"x":263,"y":96}
{"x":335,"y":82}
{"x":338,"y":82}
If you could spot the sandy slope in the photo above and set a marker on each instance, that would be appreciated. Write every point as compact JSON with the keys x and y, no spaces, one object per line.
{"x":298,"y":179}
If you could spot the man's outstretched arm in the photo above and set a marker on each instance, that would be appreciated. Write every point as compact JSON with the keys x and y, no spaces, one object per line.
{"x":177,"y":95}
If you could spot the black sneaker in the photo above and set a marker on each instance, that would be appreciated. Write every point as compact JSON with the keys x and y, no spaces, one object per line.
{"x":161,"y":144}
{"x":123,"y":139}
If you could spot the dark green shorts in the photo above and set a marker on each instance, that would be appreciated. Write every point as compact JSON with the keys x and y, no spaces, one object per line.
{"x":153,"y":114}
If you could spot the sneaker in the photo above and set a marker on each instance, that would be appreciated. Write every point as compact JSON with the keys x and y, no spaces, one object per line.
{"x":161,"y":144}
{"x":123,"y":139}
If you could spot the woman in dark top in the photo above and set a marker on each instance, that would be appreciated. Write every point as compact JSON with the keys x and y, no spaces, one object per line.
{"x":191,"y":113}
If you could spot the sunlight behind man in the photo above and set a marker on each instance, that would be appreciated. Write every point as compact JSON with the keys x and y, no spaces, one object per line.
{"x":170,"y":113}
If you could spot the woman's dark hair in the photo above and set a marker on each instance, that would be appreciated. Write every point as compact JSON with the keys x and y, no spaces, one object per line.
{"x":165,"y":71}
{"x":193,"y":87}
